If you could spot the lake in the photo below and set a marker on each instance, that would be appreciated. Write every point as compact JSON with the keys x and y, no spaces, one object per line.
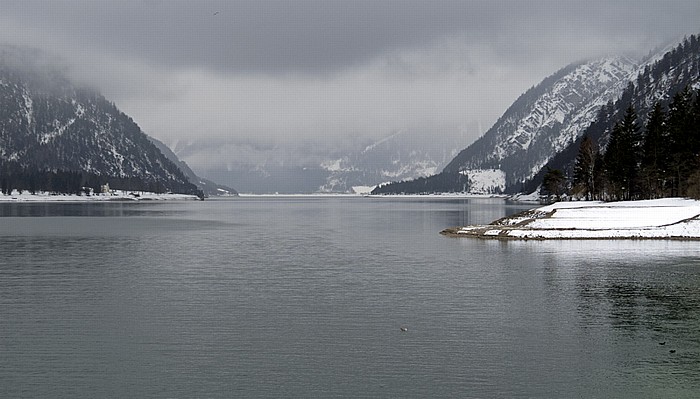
{"x":304,"y":297}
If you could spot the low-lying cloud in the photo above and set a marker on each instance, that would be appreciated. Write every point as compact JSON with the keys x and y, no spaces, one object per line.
{"x":240,"y":78}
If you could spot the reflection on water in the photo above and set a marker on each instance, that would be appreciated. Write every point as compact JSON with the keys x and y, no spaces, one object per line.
{"x":631,"y":307}
{"x":94,"y":209}
{"x":306,"y":297}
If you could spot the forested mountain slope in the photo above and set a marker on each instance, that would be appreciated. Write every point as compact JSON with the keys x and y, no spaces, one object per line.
{"x":671,"y":83}
{"x":49,"y":127}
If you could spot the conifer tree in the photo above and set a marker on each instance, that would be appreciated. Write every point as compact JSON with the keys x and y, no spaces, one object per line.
{"x":598,"y":176}
{"x":553,"y":183}
{"x":584,"y":169}
{"x":655,"y":155}
{"x":681,"y":141}
{"x":695,"y":123}
{"x":622,"y":157}
{"x":694,"y":177}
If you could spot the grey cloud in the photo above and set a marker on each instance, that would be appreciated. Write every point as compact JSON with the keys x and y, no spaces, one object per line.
{"x":244,"y":37}
{"x":266,"y":79}
{"x":324,"y":36}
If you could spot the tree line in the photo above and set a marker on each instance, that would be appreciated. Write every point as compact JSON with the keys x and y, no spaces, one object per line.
{"x":658,"y":156}
{"x":445,"y":182}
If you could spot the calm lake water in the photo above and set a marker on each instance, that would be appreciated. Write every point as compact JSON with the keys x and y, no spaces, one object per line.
{"x":305,"y":297}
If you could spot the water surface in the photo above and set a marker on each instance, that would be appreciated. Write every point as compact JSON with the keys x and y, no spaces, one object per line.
{"x":305,"y":297}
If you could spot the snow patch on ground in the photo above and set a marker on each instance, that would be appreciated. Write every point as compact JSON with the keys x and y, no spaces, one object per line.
{"x":485,"y":181}
{"x":676,"y":218}
{"x":333,"y":166}
{"x":362,"y":190}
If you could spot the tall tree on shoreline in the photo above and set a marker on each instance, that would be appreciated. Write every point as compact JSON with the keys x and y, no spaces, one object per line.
{"x":681,"y":141}
{"x":655,"y":153}
{"x":622,"y":157}
{"x":585,"y":168}
{"x":554,"y":183}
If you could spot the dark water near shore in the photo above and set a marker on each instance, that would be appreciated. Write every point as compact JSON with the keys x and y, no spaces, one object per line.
{"x":305,"y":297}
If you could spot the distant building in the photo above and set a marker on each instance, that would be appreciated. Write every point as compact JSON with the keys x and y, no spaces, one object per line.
{"x":104,"y":189}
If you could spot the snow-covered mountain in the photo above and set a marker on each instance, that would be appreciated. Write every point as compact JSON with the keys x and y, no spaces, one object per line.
{"x":660,"y":78}
{"x":338,"y":166}
{"x":546,"y":119}
{"x":47,"y":124}
{"x":400,"y":156}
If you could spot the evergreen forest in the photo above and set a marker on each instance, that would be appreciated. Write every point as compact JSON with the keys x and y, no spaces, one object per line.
{"x":14,"y":177}
{"x":651,"y":157}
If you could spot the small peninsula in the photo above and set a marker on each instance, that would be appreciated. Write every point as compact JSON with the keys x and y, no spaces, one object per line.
{"x":667,"y":218}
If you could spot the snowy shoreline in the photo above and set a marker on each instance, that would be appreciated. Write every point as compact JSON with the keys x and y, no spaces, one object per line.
{"x":117,"y":195}
{"x":667,"y":218}
{"x":387,"y":196}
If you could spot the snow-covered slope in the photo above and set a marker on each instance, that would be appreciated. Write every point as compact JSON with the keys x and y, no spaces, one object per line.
{"x":485,"y":181}
{"x":546,"y":119}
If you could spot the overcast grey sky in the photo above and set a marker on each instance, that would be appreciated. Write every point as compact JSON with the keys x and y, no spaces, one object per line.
{"x":266,"y":72}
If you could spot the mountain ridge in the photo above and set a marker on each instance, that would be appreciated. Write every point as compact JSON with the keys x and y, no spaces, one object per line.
{"x":545,"y":119}
{"x":48,"y":125}
{"x":658,"y":81}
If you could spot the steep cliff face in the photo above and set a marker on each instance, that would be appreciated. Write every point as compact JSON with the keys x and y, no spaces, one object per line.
{"x":47,"y":124}
{"x":546,"y":119}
